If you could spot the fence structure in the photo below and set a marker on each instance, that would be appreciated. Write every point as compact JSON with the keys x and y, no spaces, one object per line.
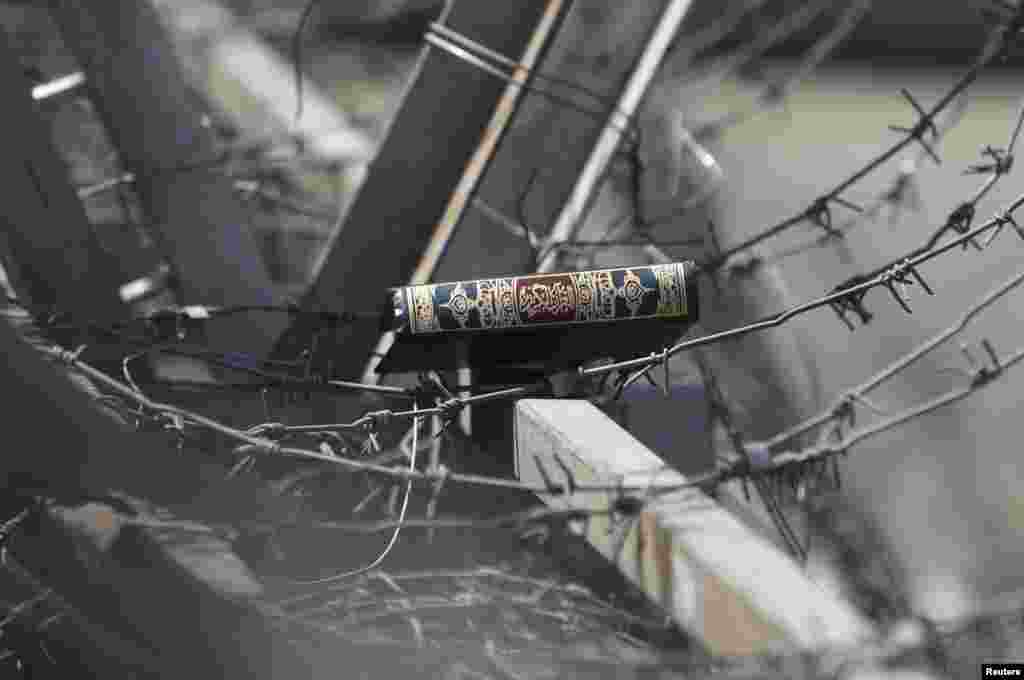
{"x":686,"y":552}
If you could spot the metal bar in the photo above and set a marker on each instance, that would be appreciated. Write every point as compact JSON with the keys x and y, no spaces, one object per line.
{"x":472,"y":175}
{"x":722,"y":582}
{"x":443,"y":117}
{"x":489,"y":143}
{"x":53,"y":258}
{"x":58,"y":86}
{"x":156,"y":126}
{"x":548,"y":150}
{"x":576,"y":208}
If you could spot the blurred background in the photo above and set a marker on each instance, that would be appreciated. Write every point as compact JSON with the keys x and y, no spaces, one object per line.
{"x":946,"y":487}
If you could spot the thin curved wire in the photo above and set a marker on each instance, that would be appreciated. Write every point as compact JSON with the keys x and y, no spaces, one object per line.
{"x":400,"y":522}
{"x":296,"y":49}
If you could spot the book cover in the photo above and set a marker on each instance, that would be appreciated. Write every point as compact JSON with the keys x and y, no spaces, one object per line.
{"x":541,"y":300}
{"x":540,"y":322}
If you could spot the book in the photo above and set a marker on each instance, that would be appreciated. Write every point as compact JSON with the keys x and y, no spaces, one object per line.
{"x":540,"y":319}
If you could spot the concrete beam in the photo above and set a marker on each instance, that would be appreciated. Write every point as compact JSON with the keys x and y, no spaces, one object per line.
{"x":719,"y":580}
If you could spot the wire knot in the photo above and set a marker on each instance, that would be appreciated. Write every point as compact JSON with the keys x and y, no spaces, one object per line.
{"x":272,"y":431}
{"x":820,"y":214}
{"x":844,"y":410}
{"x":1002,"y":163}
{"x":985,"y":374}
{"x":1007,"y":218}
{"x":272,"y":447}
{"x":961,"y":218}
{"x":334,"y":441}
{"x":903,"y":274}
{"x":451,"y":408}
{"x":925,"y":124}
{"x":66,"y":356}
{"x":852,"y":302}
{"x":375,"y":420}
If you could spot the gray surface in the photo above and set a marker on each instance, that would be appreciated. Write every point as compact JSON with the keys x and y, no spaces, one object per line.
{"x":946,"y":485}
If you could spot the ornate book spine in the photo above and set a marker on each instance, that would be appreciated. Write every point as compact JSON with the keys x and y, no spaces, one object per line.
{"x":535,"y":301}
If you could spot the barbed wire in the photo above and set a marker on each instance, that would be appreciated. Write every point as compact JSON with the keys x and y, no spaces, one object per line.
{"x":857,"y":395}
{"x":999,"y":164}
{"x":719,"y":409}
{"x":687,"y":46}
{"x":846,"y":297}
{"x":261,"y":439}
{"x":912,"y":134}
{"x":849,"y":297}
{"x":265,"y":439}
{"x":819,"y":212}
{"x":758,"y":459}
{"x":757,"y":464}
{"x":683,"y":53}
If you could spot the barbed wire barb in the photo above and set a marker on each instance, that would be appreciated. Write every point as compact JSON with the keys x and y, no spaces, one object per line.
{"x":843,"y":407}
{"x":994,"y":46}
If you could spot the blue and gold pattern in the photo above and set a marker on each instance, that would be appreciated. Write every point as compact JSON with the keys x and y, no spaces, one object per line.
{"x":645,"y":292}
